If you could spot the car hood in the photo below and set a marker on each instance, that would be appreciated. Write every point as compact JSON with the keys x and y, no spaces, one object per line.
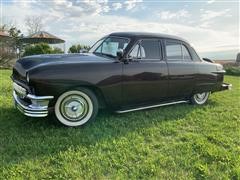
{"x":25,"y":64}
{"x":30,"y":62}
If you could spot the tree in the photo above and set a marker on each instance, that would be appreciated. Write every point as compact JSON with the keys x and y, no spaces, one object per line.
{"x":6,"y":25}
{"x":16,"y":36}
{"x":78,"y":48}
{"x":6,"y":57}
{"x":9,"y":46}
{"x":40,"y":48}
{"x":34,"y":24}
{"x":3,"y":28}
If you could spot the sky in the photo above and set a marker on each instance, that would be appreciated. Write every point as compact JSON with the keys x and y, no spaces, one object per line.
{"x":211,"y":26}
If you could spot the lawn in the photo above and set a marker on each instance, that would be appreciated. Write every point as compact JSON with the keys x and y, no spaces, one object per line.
{"x":179,"y":141}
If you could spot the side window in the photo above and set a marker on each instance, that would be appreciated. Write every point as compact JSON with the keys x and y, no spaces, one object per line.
{"x":150,"y":49}
{"x":177,"y":51}
{"x":186,"y":55}
{"x":174,"y":51}
{"x":135,"y":53}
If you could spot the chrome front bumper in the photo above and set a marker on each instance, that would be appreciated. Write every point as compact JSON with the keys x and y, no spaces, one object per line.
{"x":226,"y":86}
{"x":38,"y":106}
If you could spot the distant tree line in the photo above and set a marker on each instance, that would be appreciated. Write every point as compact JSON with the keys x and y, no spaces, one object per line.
{"x":41,"y":48}
{"x":78,"y":48}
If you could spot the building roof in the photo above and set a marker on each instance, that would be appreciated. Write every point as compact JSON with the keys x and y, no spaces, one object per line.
{"x":42,"y":36}
{"x":3,"y":33}
{"x":4,"y":36}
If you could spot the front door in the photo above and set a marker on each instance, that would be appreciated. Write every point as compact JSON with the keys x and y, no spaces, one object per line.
{"x":145,"y":76}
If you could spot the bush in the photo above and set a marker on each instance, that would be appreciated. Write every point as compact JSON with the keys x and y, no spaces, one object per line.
{"x":41,"y":48}
{"x":232,"y":70}
{"x":238,"y":58}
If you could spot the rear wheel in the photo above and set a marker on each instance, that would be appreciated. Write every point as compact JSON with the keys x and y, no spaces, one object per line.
{"x":200,"y":98}
{"x":75,"y":108}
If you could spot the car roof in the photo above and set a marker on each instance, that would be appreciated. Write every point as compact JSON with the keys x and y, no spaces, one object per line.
{"x":147,"y":35}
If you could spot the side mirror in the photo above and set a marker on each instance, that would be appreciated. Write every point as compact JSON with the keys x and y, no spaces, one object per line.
{"x":120,"y":54}
{"x":208,"y":60}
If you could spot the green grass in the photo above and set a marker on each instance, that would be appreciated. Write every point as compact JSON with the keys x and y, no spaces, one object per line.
{"x":179,"y":141}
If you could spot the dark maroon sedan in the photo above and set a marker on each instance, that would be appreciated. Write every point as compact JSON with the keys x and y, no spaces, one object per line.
{"x":122,"y":71}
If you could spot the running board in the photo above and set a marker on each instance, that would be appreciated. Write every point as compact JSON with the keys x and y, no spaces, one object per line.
{"x":153,"y":106}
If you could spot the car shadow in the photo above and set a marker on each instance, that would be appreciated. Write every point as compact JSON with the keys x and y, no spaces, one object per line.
{"x":25,"y":138}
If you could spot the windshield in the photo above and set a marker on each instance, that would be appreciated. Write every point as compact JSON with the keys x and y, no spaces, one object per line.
{"x":109,"y":46}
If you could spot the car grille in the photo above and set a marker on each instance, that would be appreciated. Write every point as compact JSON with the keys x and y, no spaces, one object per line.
{"x":21,"y":80}
{"x":20,"y":91}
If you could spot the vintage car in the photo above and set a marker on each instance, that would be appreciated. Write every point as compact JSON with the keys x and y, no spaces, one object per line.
{"x":122,"y":71}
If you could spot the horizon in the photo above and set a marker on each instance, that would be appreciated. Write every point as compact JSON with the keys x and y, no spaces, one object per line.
{"x":212,"y":27}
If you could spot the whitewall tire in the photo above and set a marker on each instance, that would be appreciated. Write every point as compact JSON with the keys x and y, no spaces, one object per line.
{"x":200,"y":98}
{"x":76,"y":107}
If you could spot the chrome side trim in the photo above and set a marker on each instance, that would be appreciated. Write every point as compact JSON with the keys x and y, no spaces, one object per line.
{"x":148,"y":107}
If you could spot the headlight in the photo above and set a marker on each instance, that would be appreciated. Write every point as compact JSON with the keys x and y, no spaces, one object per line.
{"x":28,"y":77}
{"x":219,"y":67}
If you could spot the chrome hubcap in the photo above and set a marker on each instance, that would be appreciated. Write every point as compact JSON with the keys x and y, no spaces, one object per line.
{"x":201,"y":97}
{"x":74,"y":108}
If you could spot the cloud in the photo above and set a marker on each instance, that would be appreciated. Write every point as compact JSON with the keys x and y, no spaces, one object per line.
{"x":62,"y":3}
{"x":72,"y":8}
{"x":86,"y":21}
{"x":130,"y":4}
{"x":208,"y":14}
{"x":211,"y":1}
{"x":117,"y":6}
{"x":209,"y":17}
{"x":98,"y":26}
{"x":166,"y":15}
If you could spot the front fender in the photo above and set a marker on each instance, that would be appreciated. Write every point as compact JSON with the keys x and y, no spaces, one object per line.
{"x":54,"y":80}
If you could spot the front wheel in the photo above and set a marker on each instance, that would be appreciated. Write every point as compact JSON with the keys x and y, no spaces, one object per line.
{"x":200,"y":98}
{"x":75,"y":108}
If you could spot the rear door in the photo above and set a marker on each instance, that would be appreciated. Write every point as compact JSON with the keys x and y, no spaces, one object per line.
{"x":145,"y":76}
{"x":182,"y":69}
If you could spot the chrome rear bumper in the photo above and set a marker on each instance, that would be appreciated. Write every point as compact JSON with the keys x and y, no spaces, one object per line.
{"x":37,"y":108}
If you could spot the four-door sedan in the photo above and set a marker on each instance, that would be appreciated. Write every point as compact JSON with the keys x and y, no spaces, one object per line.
{"x":122,"y":71}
